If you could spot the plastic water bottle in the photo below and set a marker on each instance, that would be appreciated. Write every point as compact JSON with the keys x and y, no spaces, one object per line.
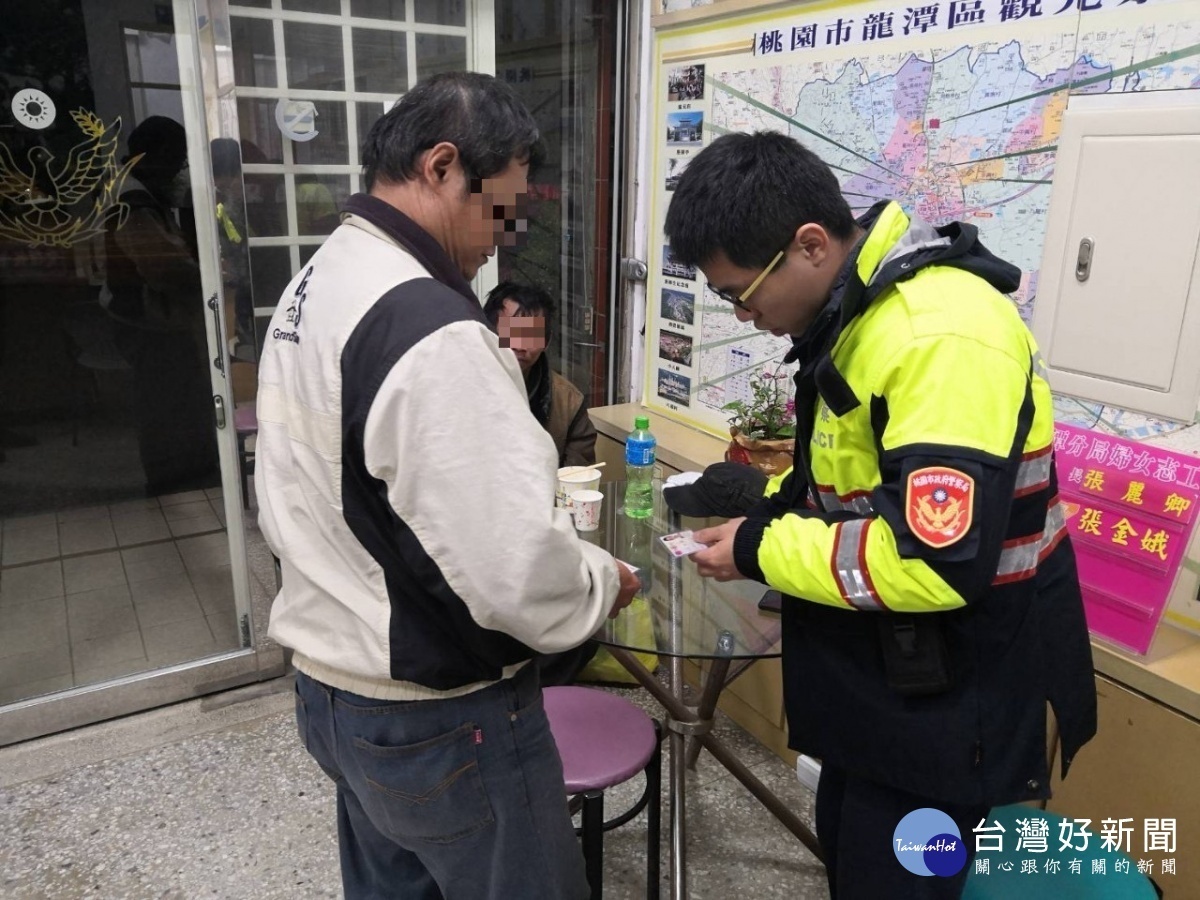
{"x":639,"y":470}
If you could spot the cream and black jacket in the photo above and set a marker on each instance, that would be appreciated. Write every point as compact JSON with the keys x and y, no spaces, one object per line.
{"x":403,"y":482}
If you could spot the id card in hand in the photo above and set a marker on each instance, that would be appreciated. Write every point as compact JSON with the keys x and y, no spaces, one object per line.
{"x":681,"y":543}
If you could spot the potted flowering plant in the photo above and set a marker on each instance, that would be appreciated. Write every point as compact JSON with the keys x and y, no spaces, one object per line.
{"x":763,"y":430}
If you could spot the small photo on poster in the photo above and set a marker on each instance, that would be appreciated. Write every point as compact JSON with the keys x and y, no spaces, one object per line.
{"x":676,"y":348}
{"x":674,"y":387}
{"x":673,"y":269}
{"x":685,"y":83}
{"x":685,"y":128}
{"x":678,"y":306}
{"x":676,"y":166}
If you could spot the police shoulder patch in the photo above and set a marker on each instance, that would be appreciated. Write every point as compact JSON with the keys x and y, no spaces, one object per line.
{"x":938,"y":504}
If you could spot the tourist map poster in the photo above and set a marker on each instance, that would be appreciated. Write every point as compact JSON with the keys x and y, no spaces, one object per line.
{"x":953,"y":108}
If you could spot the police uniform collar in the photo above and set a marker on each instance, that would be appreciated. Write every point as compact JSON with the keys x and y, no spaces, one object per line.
{"x":816,"y":337}
{"x":816,"y":344}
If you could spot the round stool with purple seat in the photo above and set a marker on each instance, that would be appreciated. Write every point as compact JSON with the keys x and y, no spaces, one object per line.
{"x":605,"y":740}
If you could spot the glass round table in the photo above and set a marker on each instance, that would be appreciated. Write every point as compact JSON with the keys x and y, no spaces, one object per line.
{"x":692,"y":617}
{"x":679,"y":616}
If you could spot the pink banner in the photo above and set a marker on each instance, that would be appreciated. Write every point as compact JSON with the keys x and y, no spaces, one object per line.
{"x":1130,"y":510}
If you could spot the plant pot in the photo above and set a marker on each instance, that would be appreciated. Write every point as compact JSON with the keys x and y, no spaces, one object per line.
{"x":769,"y":457}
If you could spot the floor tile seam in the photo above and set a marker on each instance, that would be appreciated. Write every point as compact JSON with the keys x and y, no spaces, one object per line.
{"x":203,"y":617}
{"x":97,"y":552}
{"x":143,"y":610}
{"x":76,"y":668}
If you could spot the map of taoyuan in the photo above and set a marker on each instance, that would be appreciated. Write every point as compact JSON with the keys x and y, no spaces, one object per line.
{"x":952,"y":132}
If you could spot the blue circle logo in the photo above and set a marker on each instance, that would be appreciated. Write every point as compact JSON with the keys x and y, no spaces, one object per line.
{"x":927,"y":842}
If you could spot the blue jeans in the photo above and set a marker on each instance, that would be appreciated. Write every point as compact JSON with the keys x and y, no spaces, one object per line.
{"x":461,"y":799}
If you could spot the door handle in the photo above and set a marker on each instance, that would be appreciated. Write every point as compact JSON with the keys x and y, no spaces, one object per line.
{"x":1083,"y":262}
{"x":219,"y":359}
{"x":219,"y":410}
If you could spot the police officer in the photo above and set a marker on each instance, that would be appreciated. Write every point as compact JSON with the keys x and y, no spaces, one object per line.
{"x":932,"y":605}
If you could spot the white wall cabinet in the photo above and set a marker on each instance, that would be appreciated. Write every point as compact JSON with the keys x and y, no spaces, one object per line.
{"x":1118,"y":308}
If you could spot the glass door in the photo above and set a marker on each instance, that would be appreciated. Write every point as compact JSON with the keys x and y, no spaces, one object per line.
{"x":560,"y":56}
{"x":123,"y":576}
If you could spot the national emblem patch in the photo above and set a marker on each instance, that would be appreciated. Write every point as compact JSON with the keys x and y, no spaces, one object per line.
{"x":938,"y":504}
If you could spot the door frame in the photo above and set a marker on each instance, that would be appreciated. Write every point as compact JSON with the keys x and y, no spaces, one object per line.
{"x":202,"y":39}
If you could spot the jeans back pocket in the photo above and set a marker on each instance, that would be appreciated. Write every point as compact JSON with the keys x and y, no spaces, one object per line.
{"x":426,"y":791}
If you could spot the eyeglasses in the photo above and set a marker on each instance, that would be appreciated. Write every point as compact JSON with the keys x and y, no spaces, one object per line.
{"x":739,"y":300}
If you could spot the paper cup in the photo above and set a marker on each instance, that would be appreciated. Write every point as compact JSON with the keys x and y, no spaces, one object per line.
{"x":581,"y":480}
{"x":586,"y":507}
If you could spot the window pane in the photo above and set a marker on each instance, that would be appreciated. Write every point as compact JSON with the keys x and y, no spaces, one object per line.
{"x":380,"y":61}
{"x":261,"y":140}
{"x":262,"y":325}
{"x":331,"y":145}
{"x":266,"y":205}
{"x":567,"y":248}
{"x":442,"y":12}
{"x":151,"y":56}
{"x":378,"y":9}
{"x":306,"y":253}
{"x":149,"y":102}
{"x":270,"y":272}
{"x":440,"y":53}
{"x":368,"y":114}
{"x":318,"y":200}
{"x":314,"y":56}
{"x":329,"y":7}
{"x":257,"y":4}
{"x":253,"y":52}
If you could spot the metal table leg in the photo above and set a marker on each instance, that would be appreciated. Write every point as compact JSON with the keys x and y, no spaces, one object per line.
{"x":714,"y":683}
{"x":685,"y":718}
{"x":678,"y":792}
{"x":678,"y":738}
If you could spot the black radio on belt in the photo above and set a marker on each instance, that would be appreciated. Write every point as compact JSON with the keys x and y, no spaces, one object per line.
{"x":914,"y":654}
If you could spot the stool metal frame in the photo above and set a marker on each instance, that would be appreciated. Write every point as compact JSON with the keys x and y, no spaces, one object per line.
{"x":592,"y":825}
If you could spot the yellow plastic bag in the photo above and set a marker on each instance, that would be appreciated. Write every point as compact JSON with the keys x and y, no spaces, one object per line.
{"x":634,"y":627}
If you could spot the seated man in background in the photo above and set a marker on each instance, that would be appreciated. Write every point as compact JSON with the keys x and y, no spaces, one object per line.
{"x":522,"y":316}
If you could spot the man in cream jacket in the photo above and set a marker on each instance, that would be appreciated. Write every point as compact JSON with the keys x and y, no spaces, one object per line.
{"x":409,"y":494}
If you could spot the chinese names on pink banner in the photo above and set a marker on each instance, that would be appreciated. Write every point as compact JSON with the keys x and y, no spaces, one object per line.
{"x":1130,"y":509}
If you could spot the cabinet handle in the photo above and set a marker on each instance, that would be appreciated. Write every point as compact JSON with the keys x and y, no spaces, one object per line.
{"x":1083,"y":262}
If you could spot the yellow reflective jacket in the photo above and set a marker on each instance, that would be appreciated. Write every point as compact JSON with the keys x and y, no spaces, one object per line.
{"x":924,"y":483}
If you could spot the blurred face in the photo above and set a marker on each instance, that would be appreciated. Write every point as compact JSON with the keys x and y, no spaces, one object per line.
{"x":494,"y":213}
{"x":522,"y":333}
{"x":787,"y":300}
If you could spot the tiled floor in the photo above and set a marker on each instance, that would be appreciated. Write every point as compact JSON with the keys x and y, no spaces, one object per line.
{"x":92,"y":594}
